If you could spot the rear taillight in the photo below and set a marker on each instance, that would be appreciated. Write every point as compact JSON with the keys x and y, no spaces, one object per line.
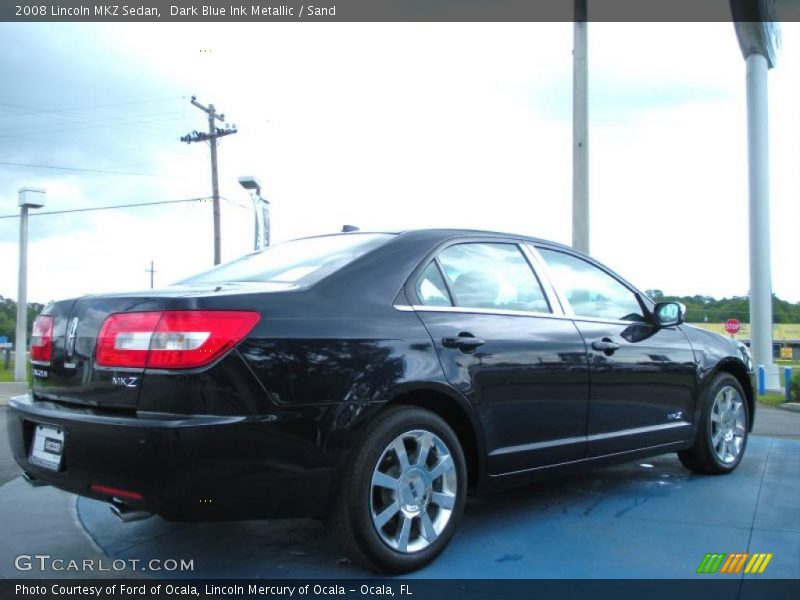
{"x":42,"y":339}
{"x":172,"y":339}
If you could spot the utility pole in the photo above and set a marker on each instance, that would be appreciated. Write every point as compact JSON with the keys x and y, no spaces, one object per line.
{"x":151,"y":270}
{"x":580,"y":131}
{"x":211,"y":137}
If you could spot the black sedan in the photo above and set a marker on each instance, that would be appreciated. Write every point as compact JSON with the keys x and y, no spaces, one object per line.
{"x":372,"y":380}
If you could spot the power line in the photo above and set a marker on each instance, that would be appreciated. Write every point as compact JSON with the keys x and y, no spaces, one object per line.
{"x":85,"y":145}
{"x":77,"y":210}
{"x":60,"y":168}
{"x":84,"y":107}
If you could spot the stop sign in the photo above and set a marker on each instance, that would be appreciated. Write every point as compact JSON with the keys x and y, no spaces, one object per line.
{"x":733,"y":326}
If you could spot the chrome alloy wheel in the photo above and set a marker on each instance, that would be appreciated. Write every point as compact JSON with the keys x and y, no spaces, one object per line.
{"x":728,"y":425}
{"x":413,"y":491}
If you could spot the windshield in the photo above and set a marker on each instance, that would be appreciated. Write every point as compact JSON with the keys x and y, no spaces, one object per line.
{"x":300,"y":262}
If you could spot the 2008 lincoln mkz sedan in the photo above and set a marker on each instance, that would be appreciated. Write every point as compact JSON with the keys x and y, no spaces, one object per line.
{"x":371,"y":379}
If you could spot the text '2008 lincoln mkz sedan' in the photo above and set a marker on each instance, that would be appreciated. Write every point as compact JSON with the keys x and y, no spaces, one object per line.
{"x":373,"y":380}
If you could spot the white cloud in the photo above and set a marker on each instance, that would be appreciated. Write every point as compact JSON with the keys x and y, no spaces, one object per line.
{"x":393,"y":126}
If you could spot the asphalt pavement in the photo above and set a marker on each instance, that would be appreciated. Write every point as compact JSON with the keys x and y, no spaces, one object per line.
{"x":8,"y":468}
{"x":649,"y":519}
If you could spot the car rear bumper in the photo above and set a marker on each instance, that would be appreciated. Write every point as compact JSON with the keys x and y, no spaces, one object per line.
{"x":184,"y":467}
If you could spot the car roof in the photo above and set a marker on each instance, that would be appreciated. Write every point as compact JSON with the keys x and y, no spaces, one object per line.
{"x":442,"y":234}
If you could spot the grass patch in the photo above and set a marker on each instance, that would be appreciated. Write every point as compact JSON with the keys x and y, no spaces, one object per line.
{"x":787,"y":363}
{"x":772,"y":398}
{"x":6,"y":376}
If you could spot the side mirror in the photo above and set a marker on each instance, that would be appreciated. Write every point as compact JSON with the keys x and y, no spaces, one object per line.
{"x":669,"y":313}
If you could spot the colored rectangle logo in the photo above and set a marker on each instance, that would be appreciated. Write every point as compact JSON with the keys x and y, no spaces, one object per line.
{"x":732,"y":564}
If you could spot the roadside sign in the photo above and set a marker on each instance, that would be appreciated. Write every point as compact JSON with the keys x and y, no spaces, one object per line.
{"x":733,"y":326}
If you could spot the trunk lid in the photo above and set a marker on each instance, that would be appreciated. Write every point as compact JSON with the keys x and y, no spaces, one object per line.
{"x":72,"y":375}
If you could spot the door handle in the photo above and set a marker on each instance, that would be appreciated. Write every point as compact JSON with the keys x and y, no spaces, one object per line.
{"x":463,"y":341}
{"x":606,"y":345}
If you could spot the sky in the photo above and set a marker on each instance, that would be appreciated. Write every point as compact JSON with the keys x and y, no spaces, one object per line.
{"x":388,"y":126}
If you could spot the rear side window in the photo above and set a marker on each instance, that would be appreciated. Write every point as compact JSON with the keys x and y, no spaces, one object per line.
{"x":492,"y":276}
{"x":431,"y":289}
{"x":591,"y":291}
{"x":303,"y":261}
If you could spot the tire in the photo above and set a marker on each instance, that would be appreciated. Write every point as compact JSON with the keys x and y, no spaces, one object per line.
{"x":721,"y":433}
{"x":393,"y":518}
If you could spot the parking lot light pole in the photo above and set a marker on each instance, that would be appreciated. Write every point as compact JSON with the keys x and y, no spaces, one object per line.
{"x":758,"y":41}
{"x":580,"y":130}
{"x":260,"y":211}
{"x":27,"y":198}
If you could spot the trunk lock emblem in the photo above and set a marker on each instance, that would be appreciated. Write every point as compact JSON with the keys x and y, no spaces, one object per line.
{"x":71,"y":332}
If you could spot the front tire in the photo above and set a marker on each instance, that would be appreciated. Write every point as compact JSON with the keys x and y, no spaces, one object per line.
{"x":403,"y":492}
{"x":721,"y":436}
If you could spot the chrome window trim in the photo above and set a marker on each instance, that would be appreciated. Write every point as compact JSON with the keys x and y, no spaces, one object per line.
{"x":610,"y":321}
{"x":478,"y":311}
{"x":403,"y":307}
{"x":507,"y":313}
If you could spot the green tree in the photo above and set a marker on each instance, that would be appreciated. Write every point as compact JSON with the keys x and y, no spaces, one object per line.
{"x":8,"y":317}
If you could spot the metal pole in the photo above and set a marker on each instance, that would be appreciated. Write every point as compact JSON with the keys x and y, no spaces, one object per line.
{"x":256,"y":229}
{"x":21,"y":345}
{"x":580,"y":131}
{"x":758,"y":167}
{"x":214,"y":183}
{"x":265,"y":217}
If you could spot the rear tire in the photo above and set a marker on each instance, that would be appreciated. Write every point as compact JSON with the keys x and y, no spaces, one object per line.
{"x":721,"y":435}
{"x":403,"y":492}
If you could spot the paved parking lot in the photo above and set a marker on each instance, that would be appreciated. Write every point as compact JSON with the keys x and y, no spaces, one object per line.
{"x":650,"y":519}
{"x":643,"y":520}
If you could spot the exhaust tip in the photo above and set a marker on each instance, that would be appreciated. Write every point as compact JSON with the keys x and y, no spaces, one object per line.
{"x":32,"y":480}
{"x":126,"y":514}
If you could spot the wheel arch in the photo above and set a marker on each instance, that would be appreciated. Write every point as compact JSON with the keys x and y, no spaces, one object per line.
{"x":737,"y":369}
{"x":456,"y":411}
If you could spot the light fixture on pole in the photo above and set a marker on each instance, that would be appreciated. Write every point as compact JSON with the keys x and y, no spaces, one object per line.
{"x":27,"y":198}
{"x":758,"y":37}
{"x":260,"y":210}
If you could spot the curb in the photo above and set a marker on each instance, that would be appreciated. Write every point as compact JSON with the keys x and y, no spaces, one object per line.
{"x":790,"y":406}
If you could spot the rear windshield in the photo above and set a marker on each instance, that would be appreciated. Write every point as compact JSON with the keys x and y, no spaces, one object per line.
{"x":301,"y":262}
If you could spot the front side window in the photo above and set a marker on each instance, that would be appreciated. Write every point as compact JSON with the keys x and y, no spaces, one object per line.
{"x":492,"y":276}
{"x":304,"y":261}
{"x":591,"y":291}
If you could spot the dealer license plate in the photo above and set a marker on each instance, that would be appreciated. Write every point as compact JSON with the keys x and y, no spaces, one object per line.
{"x":48,"y":447}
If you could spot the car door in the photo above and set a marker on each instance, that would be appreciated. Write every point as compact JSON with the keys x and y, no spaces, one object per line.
{"x":642,"y":376}
{"x":505,"y":343}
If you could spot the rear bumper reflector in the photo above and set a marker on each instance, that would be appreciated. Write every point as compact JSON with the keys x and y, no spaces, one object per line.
{"x":115,"y":492}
